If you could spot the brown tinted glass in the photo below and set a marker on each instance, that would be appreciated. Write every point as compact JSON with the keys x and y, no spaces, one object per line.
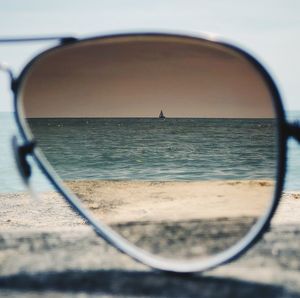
{"x":169,"y":140}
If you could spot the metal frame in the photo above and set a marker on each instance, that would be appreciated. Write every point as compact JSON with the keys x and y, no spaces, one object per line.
{"x":284,"y":129}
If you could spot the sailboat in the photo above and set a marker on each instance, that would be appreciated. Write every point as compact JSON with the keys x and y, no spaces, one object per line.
{"x":161,"y":115}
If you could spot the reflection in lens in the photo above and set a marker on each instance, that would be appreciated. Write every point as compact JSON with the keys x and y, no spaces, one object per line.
{"x":171,"y":141}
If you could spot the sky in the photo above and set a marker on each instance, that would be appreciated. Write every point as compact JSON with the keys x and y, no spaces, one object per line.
{"x":268,"y":29}
{"x":138,"y":76}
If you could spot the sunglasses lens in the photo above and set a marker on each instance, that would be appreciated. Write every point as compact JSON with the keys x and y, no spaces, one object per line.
{"x":171,"y":141}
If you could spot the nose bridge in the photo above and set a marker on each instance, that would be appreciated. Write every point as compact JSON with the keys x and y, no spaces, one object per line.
{"x":293,"y":130}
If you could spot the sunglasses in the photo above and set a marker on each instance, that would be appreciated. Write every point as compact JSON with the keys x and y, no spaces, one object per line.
{"x":172,"y":147}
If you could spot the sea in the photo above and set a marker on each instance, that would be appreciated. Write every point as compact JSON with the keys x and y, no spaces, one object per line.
{"x":183,"y":149}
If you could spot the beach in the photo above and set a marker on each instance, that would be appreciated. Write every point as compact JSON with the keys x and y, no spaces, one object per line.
{"x":174,"y":219}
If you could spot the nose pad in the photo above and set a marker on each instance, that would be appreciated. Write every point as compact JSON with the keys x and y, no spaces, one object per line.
{"x":20,"y":153}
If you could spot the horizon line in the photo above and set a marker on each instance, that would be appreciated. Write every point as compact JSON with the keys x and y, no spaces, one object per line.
{"x":148,"y":117}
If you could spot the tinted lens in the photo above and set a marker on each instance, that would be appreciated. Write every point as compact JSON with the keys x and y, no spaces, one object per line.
{"x":171,"y":141}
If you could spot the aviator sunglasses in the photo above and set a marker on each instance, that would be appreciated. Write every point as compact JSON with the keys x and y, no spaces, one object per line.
{"x":172,"y":147}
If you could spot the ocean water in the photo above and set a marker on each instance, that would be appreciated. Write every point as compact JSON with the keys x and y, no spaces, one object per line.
{"x":151,"y":149}
{"x":155,"y":149}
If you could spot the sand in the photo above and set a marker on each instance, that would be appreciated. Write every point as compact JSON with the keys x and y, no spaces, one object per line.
{"x":142,"y":201}
{"x":50,"y":211}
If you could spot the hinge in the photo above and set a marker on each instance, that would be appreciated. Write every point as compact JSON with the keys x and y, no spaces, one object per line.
{"x":67,"y":40}
{"x":21,"y":152}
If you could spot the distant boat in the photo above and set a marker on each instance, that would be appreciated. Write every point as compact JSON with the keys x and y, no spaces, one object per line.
{"x":161,"y":115}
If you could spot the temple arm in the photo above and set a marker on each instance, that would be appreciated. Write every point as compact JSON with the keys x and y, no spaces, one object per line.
{"x":62,"y":39}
